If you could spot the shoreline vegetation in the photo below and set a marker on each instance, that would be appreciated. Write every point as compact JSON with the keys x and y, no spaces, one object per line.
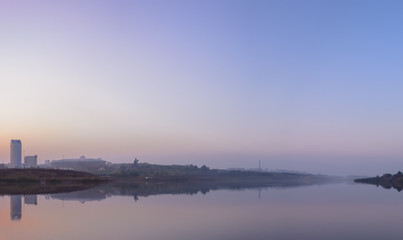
{"x":387,"y":181}
{"x":40,"y":180}
{"x":145,"y":172}
{"x":46,"y":176}
{"x":228,"y":177}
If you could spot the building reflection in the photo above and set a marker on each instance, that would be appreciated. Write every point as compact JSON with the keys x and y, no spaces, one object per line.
{"x":31,"y":199}
{"x":15,"y":207}
{"x":137,"y":191}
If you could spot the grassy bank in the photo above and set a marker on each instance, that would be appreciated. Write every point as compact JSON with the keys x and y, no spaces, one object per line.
{"x":46,"y":176}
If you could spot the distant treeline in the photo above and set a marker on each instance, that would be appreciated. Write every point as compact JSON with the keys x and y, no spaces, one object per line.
{"x":387,"y":181}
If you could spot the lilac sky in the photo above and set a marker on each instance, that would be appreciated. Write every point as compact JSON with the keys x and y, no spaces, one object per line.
{"x":314,"y":86}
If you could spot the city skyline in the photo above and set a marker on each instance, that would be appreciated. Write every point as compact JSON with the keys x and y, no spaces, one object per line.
{"x":313,"y":86}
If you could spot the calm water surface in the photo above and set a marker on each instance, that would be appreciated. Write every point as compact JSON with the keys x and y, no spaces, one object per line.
{"x":334,"y":211}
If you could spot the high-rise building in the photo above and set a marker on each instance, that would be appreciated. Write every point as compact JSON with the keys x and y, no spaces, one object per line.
{"x":31,"y":161}
{"x":15,"y":153}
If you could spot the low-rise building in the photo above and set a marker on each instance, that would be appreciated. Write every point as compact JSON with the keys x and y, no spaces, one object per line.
{"x":80,"y":164}
{"x":31,"y":161}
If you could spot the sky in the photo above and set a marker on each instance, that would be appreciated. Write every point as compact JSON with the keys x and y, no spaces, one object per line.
{"x":312,"y":86}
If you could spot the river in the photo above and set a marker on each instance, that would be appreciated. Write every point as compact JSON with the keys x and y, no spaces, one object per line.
{"x":330,"y":211}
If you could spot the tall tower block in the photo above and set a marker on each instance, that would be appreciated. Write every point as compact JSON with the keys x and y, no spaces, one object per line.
{"x":15,"y":153}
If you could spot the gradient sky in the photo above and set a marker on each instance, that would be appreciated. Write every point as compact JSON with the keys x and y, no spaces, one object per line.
{"x":303,"y":85}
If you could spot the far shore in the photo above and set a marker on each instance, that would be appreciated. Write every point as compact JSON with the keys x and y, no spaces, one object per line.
{"x":41,"y":181}
{"x":387,"y":181}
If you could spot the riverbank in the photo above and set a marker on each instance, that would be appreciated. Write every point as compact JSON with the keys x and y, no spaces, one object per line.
{"x":40,"y":181}
{"x":244,"y":178}
{"x":46,"y":176}
{"x":387,"y":181}
{"x":45,"y":181}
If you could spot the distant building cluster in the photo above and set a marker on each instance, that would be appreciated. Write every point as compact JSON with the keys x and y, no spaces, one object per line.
{"x":82,"y":163}
{"x":16,"y":156}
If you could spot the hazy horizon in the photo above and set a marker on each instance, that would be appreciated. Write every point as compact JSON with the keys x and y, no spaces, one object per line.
{"x":310,"y":86}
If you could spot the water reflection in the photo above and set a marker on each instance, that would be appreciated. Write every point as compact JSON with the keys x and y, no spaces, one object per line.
{"x":142,"y":190}
{"x":31,"y":199}
{"x":96,"y":194}
{"x":188,"y":211}
{"x":15,"y":207}
{"x":136,"y":191}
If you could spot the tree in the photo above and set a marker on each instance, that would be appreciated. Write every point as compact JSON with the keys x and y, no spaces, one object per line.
{"x":204,"y":168}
